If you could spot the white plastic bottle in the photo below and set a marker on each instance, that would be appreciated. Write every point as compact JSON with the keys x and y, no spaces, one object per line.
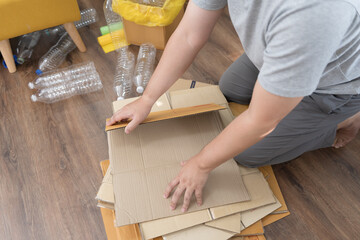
{"x":81,"y":85}
{"x":26,"y":46}
{"x":144,"y":66}
{"x":59,"y":76}
{"x":112,"y":19}
{"x":56,"y":54}
{"x":123,"y":81}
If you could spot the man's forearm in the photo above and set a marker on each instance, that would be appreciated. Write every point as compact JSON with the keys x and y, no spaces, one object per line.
{"x":239,"y":135}
{"x":176,"y":58}
{"x":183,"y":46}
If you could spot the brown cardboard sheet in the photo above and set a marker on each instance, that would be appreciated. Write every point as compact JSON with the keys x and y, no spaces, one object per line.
{"x":199,"y":232}
{"x":164,"y":226}
{"x":230,"y":223}
{"x":271,"y":179}
{"x":182,"y":84}
{"x":160,"y":105}
{"x":106,"y":193}
{"x":199,"y":96}
{"x":257,"y":187}
{"x":251,"y":216}
{"x":260,"y":195}
{"x":254,"y":229}
{"x":150,"y":157}
{"x":171,"y":224}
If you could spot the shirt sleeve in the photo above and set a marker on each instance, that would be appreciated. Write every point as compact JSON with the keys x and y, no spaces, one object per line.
{"x":210,"y":4}
{"x":299,"y":45}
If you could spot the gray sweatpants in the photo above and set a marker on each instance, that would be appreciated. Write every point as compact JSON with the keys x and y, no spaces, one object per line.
{"x":311,"y":125}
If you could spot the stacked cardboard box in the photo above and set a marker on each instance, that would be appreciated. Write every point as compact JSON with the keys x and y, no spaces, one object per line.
{"x":260,"y":205}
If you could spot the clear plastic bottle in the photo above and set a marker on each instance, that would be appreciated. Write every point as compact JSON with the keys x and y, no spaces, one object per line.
{"x":81,"y":85}
{"x":56,"y":54}
{"x":59,"y":76}
{"x":144,"y":66}
{"x":123,"y":81}
{"x":88,"y":16}
{"x":26,"y":46}
{"x":112,"y":19}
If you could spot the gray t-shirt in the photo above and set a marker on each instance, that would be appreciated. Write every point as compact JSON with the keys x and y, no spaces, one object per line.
{"x":299,"y":46}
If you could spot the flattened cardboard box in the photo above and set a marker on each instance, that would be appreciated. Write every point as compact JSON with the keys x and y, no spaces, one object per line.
{"x":148,"y":158}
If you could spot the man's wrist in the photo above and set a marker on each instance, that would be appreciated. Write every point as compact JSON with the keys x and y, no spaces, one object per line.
{"x":203,"y":162}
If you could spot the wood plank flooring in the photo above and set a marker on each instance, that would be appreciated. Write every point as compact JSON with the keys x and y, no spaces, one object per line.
{"x":50,"y":154}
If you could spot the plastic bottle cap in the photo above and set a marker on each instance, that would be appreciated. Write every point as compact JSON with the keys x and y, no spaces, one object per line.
{"x":39,"y":72}
{"x":15,"y":59}
{"x":33,"y":98}
{"x":31,"y":85}
{"x":140,"y":89}
{"x":20,"y":60}
{"x":120,"y":98}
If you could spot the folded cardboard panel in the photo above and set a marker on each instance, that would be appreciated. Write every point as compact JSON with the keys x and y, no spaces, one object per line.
{"x":148,"y":158}
{"x":257,"y":187}
{"x":260,"y":196}
{"x":230,"y":223}
{"x":199,"y":232}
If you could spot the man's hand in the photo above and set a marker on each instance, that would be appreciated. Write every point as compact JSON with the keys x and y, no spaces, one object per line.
{"x":191,"y":179}
{"x":137,"y":111}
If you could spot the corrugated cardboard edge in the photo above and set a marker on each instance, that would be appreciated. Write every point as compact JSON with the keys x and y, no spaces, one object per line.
{"x":170,"y":114}
{"x":230,"y":223}
{"x":199,"y":232}
{"x":108,"y":216}
{"x":155,"y":228}
{"x":164,"y":226}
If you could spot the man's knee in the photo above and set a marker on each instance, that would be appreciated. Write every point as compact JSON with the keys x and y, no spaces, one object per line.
{"x":231,"y":91}
{"x":251,"y":161}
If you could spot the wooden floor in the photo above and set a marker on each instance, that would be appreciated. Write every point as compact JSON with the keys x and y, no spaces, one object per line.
{"x":50,"y":154}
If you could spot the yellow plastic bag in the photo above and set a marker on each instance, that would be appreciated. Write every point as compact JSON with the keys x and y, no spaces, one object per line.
{"x":148,"y":15}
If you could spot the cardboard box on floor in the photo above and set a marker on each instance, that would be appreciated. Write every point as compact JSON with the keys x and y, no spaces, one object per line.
{"x":138,"y":34}
{"x":235,"y":108}
{"x":150,"y":157}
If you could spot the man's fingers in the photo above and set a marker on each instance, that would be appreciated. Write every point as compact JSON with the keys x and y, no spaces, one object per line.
{"x":117,"y":117}
{"x":198,"y":196}
{"x":175,"y":198}
{"x":132,"y":125}
{"x":187,"y":198}
{"x":170,"y":187}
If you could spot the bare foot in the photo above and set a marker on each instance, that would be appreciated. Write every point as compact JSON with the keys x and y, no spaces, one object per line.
{"x":347,"y":131}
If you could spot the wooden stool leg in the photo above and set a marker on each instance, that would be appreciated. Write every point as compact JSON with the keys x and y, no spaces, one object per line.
{"x":75,"y":36}
{"x":5,"y":49}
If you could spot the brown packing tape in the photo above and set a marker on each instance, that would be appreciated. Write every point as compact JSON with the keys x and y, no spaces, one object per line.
{"x":170,"y":114}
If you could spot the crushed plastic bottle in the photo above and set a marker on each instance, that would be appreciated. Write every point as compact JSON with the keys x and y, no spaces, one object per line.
{"x":26,"y":46}
{"x":56,"y":54}
{"x":113,"y":20}
{"x":59,"y":76}
{"x":144,"y":66}
{"x":88,"y":16}
{"x":123,"y":82}
{"x":81,"y":85}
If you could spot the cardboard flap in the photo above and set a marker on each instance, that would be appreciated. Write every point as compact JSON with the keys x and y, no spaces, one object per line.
{"x":149,"y":158}
{"x":172,"y":113}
